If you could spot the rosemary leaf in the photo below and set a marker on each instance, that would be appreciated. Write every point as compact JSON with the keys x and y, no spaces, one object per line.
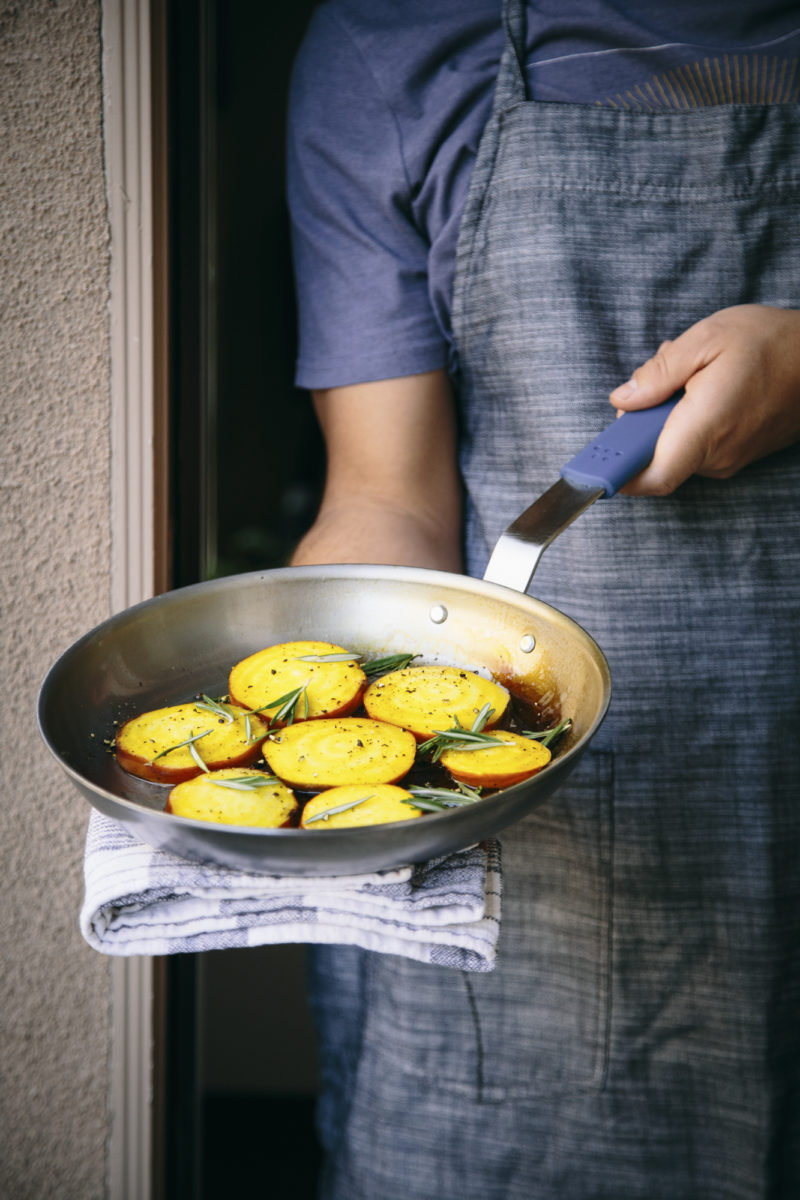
{"x":474,"y":792}
{"x":440,"y":799}
{"x":546,"y":736}
{"x":189,"y":742}
{"x":443,"y":797}
{"x":325,"y":658}
{"x":214,"y":706}
{"x":432,"y":744}
{"x":560,"y":728}
{"x":393,"y":662}
{"x":465,"y":745}
{"x":330,"y":812}
{"x":195,"y":753}
{"x":245,"y":783}
{"x":432,"y":806}
{"x":286,"y":705}
{"x":486,"y":713}
{"x":469,"y":739}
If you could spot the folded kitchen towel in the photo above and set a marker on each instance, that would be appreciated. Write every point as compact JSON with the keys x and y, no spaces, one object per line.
{"x":140,"y":900}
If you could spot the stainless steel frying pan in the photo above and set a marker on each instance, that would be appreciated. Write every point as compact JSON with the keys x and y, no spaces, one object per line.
{"x":184,"y":642}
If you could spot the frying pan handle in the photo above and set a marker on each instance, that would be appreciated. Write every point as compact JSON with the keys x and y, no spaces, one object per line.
{"x":620,"y":451}
{"x":596,"y":472}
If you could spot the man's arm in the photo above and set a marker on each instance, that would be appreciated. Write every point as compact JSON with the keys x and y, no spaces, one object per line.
{"x":392,"y":490}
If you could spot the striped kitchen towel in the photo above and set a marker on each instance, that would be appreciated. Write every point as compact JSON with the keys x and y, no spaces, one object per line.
{"x":140,"y":900}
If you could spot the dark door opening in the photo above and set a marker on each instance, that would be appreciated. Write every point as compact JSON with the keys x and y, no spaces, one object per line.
{"x":246,"y":469}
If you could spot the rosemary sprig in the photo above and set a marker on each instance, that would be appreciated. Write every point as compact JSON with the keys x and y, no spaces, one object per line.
{"x":286,"y":705}
{"x":459,"y":738}
{"x":431,"y":806}
{"x":189,"y":742}
{"x":440,"y":799}
{"x":214,"y":706}
{"x":393,"y":662}
{"x":340,"y":656}
{"x":340,"y":808}
{"x":221,"y":709}
{"x":196,"y":755}
{"x":546,"y":736}
{"x":245,"y":783}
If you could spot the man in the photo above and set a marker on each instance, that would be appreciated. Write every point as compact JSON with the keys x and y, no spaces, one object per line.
{"x":478,"y":267}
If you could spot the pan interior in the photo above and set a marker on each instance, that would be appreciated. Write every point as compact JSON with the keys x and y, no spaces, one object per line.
{"x":175,"y":646}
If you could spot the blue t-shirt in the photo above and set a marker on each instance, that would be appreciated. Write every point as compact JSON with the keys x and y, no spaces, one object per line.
{"x":388,"y":102}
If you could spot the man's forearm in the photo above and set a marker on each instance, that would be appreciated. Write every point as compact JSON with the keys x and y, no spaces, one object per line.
{"x":392,"y":491}
{"x":361,"y":533}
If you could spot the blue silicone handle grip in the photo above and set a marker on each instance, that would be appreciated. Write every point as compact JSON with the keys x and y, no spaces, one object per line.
{"x":620,"y":451}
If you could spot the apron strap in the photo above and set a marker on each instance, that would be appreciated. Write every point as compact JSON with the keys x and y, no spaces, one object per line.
{"x":511,"y":85}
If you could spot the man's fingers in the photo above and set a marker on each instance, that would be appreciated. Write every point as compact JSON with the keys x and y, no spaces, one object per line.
{"x":680,"y":452}
{"x":673,"y":364}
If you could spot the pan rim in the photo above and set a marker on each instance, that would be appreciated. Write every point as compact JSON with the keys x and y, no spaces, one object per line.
{"x":357,"y":572}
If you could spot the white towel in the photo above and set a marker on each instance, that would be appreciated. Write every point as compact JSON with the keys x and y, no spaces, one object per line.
{"x":139,"y":900}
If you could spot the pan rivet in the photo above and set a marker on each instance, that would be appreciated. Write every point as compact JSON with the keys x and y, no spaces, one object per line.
{"x":527,"y":643}
{"x":438,"y":614}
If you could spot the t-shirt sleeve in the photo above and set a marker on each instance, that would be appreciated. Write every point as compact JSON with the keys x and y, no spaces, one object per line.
{"x":361,"y":264}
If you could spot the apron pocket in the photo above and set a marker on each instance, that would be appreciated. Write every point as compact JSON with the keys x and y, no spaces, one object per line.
{"x":539,"y":1022}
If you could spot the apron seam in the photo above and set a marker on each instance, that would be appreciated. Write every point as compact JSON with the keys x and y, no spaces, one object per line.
{"x":479,"y":1045}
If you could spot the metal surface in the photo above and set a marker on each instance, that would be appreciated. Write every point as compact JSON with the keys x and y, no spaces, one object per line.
{"x":169,"y":648}
{"x":518,"y":550}
{"x":600,"y":469}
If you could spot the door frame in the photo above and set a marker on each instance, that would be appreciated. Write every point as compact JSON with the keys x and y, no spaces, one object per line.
{"x":134,"y":82}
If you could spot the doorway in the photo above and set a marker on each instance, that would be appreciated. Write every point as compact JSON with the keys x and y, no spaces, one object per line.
{"x":246,"y":472}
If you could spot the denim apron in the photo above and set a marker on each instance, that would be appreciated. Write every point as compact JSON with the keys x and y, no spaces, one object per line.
{"x":640,"y":1036}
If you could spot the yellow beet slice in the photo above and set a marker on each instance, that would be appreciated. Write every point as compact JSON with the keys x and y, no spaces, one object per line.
{"x":332,"y":687}
{"x":228,"y":798}
{"x":322,"y":754}
{"x":515,"y":758}
{"x":371,"y":804}
{"x":428,"y":699}
{"x":150,"y":745}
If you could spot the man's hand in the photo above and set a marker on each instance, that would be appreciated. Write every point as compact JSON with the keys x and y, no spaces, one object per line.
{"x":740,"y":370}
{"x":392,"y":490}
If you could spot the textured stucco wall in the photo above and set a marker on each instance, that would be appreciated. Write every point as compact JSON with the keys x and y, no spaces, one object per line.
{"x":54,"y":584}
